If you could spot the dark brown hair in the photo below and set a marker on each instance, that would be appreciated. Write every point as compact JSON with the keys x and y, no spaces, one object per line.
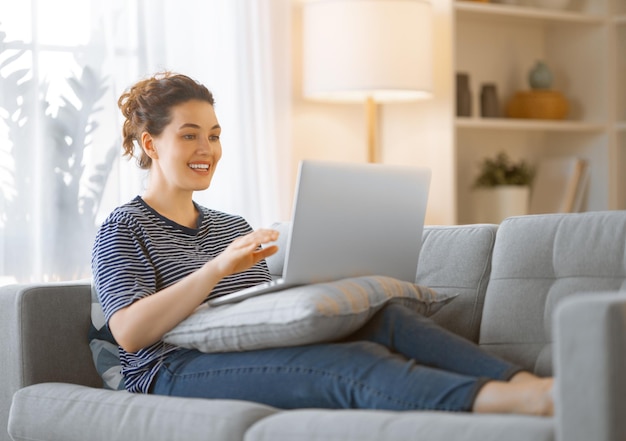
{"x":147,"y":105}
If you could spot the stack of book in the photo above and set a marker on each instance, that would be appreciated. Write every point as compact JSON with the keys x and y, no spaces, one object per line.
{"x":559,"y":186}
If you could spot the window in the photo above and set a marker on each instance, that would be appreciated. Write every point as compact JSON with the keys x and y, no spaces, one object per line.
{"x":61,"y":170}
{"x":57,"y":130}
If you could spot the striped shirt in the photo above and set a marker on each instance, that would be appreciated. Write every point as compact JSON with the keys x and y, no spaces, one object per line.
{"x":138,"y":252}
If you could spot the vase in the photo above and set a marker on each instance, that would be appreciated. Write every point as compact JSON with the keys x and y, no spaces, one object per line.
{"x":463,"y":95}
{"x":540,"y":76}
{"x":494,"y":204}
{"x":489,"y":107}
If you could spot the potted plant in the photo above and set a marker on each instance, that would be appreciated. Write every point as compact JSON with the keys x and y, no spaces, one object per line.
{"x":501,"y":189}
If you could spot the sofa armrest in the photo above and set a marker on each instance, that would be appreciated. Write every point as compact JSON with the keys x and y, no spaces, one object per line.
{"x":44,"y":331}
{"x":590,"y":362}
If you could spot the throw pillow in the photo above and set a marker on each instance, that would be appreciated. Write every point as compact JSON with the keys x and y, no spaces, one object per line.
{"x":298,"y":316}
{"x":104,"y":349}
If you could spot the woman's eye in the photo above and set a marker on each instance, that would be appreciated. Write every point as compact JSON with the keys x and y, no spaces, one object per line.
{"x":189,"y":136}
{"x":214,"y":137}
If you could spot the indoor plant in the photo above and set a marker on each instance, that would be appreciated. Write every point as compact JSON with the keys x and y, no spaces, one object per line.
{"x":501,"y":189}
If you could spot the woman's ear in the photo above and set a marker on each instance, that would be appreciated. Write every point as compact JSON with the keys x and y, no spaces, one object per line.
{"x":148,"y":146}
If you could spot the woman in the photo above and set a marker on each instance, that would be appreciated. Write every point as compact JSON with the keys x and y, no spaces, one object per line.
{"x":156,"y":259}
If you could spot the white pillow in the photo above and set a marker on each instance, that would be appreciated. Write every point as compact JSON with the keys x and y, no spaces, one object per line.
{"x":299,"y":316}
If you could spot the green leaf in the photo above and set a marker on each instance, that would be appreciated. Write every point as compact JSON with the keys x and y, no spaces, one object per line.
{"x":501,"y":170}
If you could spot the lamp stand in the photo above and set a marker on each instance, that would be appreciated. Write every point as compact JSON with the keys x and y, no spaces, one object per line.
{"x":372,"y":130}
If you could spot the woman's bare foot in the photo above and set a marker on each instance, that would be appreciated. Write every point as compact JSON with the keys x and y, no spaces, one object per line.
{"x":525,"y":396}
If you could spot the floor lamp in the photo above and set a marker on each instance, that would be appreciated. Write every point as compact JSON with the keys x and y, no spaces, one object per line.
{"x":370,"y":51}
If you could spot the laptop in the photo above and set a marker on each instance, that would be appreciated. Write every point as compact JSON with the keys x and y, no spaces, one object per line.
{"x":350,"y":220}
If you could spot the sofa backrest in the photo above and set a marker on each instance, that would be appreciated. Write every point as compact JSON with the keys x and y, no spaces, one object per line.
{"x":457,"y":260}
{"x":539,"y":260}
{"x":453,"y":260}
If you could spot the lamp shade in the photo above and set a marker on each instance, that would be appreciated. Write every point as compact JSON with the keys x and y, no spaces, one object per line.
{"x":356,"y":50}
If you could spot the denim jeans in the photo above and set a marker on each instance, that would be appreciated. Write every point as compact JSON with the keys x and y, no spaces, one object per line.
{"x":399,"y":360}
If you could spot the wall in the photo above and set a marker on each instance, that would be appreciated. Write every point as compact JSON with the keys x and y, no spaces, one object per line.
{"x":418,"y":133}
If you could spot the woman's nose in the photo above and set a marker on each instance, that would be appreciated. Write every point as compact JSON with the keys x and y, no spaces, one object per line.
{"x":205,"y":147}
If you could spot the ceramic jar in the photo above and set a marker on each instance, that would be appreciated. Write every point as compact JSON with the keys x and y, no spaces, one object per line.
{"x":489,"y":107}
{"x":463,"y":95}
{"x":540,"y":76}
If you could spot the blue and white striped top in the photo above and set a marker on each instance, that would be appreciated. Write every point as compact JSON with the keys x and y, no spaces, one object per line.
{"x":138,"y":252}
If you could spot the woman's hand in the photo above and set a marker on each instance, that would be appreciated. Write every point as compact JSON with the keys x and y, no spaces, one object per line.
{"x":245,"y":252}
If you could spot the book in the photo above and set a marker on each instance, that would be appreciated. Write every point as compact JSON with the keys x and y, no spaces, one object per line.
{"x":581,"y":190}
{"x":559,"y":186}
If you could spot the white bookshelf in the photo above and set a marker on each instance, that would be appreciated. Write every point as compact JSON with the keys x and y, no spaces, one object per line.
{"x":529,"y":125}
{"x":585,"y":48}
{"x":467,"y":9}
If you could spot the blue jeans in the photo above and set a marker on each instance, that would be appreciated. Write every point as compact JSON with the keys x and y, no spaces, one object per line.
{"x":399,"y":360}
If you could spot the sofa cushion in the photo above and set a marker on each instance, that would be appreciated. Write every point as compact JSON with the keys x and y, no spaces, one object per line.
{"x":300,"y":315}
{"x":457,"y":259}
{"x":376,"y":425}
{"x":70,"y":412}
{"x":538,"y":261}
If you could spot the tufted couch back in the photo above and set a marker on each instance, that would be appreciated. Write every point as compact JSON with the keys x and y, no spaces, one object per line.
{"x":539,"y":260}
{"x":453,"y":260}
{"x":510,"y":277}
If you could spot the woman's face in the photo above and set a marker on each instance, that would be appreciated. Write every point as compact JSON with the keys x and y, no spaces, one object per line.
{"x":185,"y":154}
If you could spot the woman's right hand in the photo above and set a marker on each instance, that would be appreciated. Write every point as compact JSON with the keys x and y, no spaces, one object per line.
{"x":245,"y":252}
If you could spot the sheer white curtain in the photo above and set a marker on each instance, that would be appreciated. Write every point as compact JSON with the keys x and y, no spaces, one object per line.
{"x":61,"y":170}
{"x":239,"y":49}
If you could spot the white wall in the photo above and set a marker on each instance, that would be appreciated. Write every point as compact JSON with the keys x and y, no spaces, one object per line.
{"x":419,"y":133}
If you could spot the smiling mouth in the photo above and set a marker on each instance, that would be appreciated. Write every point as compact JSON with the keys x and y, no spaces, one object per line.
{"x":199,"y":167}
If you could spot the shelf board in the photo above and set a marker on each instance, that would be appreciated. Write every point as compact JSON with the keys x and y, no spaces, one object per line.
{"x":621,"y":127}
{"x":620,"y":19}
{"x":528,"y":124}
{"x":523,"y":12}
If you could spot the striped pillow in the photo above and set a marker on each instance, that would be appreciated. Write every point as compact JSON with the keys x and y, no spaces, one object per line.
{"x":297,"y":316}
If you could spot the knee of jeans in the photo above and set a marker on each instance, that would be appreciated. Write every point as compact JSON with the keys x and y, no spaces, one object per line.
{"x":357,"y":348}
{"x":399,"y":311}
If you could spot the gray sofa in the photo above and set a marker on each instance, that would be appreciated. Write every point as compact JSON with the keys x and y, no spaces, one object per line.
{"x":543,"y":291}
